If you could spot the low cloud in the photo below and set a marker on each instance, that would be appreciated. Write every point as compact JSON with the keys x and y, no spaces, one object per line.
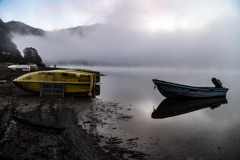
{"x":215,"y":46}
{"x":202,"y":34}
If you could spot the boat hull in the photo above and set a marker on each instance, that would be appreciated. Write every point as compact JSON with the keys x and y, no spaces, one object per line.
{"x":74,"y":81}
{"x":35,"y":87}
{"x":23,"y":68}
{"x":168,"y":89}
{"x":97,"y":73}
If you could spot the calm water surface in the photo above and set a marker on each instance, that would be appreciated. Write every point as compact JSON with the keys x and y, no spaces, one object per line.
{"x":202,"y":134}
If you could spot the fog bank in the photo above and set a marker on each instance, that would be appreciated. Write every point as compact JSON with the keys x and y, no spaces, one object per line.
{"x":215,"y":46}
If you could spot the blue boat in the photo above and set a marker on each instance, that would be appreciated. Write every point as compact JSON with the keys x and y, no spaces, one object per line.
{"x":169,"y":89}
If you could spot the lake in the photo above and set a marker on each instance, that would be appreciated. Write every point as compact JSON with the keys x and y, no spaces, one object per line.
{"x":211,"y":130}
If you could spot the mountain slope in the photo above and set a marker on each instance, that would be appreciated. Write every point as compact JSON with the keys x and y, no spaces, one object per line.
{"x":16,"y":27}
{"x":8,"y":50}
{"x":82,"y":30}
{"x":23,"y":29}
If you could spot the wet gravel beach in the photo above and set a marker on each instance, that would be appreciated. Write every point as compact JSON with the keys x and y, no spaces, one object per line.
{"x":118,"y":122}
{"x":33,"y":127}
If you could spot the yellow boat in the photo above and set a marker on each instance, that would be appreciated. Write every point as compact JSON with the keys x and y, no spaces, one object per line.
{"x":74,"y":80}
{"x":97,"y":73}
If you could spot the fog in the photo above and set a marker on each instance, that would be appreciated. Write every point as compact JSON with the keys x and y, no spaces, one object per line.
{"x":215,"y":46}
{"x":194,"y":36}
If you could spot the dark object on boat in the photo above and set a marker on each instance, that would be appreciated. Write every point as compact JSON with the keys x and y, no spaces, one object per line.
{"x":217,"y":82}
{"x":170,"y":107}
{"x":169,"y":89}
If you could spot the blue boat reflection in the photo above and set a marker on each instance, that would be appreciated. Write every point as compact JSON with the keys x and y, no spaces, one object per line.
{"x":170,"y":107}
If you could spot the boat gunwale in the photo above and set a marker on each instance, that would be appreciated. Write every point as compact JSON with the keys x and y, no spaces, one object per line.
{"x":52,"y":71}
{"x":156,"y":81}
{"x":74,"y":83}
{"x":66,"y":71}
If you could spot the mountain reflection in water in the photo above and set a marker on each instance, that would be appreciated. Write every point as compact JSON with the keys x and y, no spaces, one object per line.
{"x":170,"y":107}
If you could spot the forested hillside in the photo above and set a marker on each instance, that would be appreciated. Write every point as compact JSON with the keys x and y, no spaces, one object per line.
{"x":8,"y":50}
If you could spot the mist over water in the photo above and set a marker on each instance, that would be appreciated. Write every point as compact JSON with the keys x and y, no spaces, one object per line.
{"x":215,"y":46}
{"x":197,"y":134}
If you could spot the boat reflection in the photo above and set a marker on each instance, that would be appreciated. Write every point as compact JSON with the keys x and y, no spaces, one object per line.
{"x":170,"y":107}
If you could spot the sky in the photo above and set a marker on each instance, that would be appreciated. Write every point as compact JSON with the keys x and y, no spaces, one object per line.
{"x":199,"y":33}
{"x":138,"y":14}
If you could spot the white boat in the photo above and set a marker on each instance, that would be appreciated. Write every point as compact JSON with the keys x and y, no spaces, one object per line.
{"x":169,"y":89}
{"x":26,"y":67}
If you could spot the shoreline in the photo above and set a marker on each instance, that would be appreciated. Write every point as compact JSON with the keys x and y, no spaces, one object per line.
{"x":42,"y":128}
{"x":34,"y":127}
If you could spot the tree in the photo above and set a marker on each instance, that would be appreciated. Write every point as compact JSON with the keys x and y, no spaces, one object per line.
{"x":31,"y":55}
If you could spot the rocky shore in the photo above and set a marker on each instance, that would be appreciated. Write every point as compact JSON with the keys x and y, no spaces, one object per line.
{"x":33,"y":127}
